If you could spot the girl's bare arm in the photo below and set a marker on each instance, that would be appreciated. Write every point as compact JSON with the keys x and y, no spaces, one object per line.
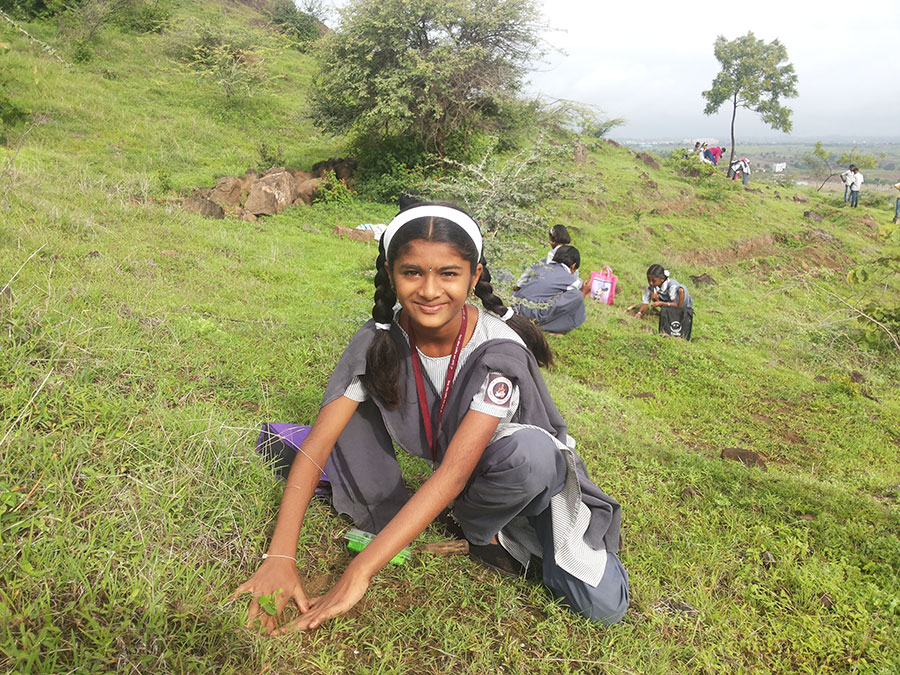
{"x":279,"y":572}
{"x":436,"y":493}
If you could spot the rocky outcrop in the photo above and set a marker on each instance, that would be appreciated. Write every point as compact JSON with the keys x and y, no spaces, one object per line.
{"x":229,"y":191}
{"x":307,"y":190}
{"x":648,"y":159}
{"x":253,"y":194}
{"x":271,"y":194}
{"x":814,"y":216}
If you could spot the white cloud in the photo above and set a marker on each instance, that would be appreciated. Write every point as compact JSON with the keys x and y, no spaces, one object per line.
{"x":650,"y":61}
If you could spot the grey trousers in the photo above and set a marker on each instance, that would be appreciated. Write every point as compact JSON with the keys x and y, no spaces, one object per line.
{"x":606,"y":603}
{"x":516,"y":476}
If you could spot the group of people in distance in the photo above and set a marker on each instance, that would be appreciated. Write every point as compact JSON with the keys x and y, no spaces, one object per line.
{"x":712,"y":155}
{"x":707,"y":154}
{"x":551,"y":293}
{"x":852,"y":180}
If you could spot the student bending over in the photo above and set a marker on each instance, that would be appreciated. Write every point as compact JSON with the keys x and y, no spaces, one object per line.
{"x":459,"y":386}
{"x":676,"y":313}
{"x":558,"y":289}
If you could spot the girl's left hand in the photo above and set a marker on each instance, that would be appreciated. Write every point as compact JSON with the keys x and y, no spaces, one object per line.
{"x":340,"y":599}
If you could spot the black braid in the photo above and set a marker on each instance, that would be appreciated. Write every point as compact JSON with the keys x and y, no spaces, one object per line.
{"x":525,"y":328}
{"x":383,"y":358}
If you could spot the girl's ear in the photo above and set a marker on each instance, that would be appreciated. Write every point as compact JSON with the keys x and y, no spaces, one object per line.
{"x":475,"y":278}
{"x":387,"y":269}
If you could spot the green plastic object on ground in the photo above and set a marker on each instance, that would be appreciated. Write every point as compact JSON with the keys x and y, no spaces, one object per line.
{"x":357,"y":540}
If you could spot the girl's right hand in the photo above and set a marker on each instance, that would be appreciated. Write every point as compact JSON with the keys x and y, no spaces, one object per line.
{"x":275,"y":576}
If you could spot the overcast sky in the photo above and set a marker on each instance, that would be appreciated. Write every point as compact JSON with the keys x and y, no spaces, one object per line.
{"x":649,"y":60}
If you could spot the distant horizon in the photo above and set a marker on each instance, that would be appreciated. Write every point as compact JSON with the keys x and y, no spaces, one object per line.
{"x":762,"y":140}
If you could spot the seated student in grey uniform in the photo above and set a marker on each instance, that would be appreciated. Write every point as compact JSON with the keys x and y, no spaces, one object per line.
{"x":676,"y":307}
{"x":551,"y":293}
{"x":461,"y":387}
{"x":559,"y":236}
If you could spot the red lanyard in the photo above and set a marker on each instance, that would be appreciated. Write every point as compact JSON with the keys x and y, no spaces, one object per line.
{"x":448,"y":380}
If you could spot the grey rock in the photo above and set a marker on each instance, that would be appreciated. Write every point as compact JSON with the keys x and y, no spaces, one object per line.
{"x":814,"y":216}
{"x":271,"y":194}
{"x":817,"y":234}
{"x":203,"y":207}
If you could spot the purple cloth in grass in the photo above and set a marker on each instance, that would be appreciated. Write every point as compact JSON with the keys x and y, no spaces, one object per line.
{"x":279,"y":443}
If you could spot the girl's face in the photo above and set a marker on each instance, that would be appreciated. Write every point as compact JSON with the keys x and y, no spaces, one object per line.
{"x":656,"y":281}
{"x":432,"y":281}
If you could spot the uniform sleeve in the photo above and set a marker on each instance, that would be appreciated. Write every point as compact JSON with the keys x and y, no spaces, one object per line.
{"x":645,"y":298}
{"x":498,"y":396}
{"x":575,"y":285}
{"x":355,"y":391}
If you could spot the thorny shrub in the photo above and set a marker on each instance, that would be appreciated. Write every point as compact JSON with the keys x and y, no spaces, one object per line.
{"x":505,"y":193}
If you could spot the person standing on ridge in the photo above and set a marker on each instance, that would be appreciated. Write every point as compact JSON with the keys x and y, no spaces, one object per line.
{"x":846,"y":180}
{"x":856,"y":181}
{"x":897,"y":208}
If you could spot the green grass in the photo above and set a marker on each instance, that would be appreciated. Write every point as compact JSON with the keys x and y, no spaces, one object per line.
{"x":145,"y":346}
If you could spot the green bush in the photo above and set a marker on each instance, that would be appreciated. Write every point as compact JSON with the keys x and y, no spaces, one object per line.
{"x":686,"y":163}
{"x":35,"y":9}
{"x":389,"y":184}
{"x":230,"y":61}
{"x":144,"y":16}
{"x":299,"y":25}
{"x":504,"y":193}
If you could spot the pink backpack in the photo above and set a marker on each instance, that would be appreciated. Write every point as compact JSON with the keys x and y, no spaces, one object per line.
{"x":603,"y":285}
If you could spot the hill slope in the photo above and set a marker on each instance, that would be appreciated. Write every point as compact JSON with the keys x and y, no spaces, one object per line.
{"x":143,"y":347}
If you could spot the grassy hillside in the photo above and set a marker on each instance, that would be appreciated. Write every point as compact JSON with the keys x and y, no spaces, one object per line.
{"x":143,"y":347}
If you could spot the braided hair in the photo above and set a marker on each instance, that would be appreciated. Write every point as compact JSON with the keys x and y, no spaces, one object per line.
{"x":657,"y":271}
{"x":383,"y":357}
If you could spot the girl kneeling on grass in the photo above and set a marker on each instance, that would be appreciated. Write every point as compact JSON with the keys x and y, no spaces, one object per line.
{"x":676,"y":312}
{"x":461,"y":387}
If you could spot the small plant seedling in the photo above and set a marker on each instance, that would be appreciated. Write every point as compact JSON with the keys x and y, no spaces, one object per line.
{"x":269,"y":603}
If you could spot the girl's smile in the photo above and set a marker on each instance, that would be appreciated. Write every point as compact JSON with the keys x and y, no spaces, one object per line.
{"x":432,"y":281}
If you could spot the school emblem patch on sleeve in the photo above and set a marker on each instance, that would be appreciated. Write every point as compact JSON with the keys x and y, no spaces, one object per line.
{"x":498,"y":391}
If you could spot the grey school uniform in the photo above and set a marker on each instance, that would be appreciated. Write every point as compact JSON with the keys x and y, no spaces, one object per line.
{"x":529,"y":488}
{"x":674,"y":321}
{"x":557,"y":292}
{"x":668,"y":292}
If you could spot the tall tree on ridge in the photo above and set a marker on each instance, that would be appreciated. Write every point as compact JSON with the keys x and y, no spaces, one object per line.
{"x":756,"y":76}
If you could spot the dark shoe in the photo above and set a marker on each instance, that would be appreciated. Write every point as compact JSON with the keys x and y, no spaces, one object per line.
{"x":448,"y":523}
{"x":498,"y":559}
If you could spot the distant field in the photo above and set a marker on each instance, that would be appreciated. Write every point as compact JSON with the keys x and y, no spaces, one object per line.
{"x":764,"y":156}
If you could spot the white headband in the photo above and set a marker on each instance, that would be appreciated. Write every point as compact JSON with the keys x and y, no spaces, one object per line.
{"x":430,"y":211}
